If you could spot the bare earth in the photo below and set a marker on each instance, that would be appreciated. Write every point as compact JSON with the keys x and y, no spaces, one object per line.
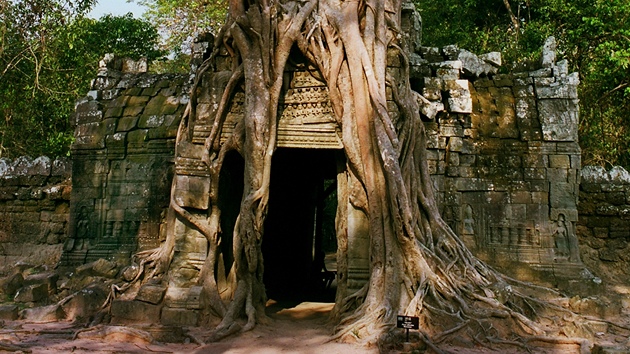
{"x":294,"y":328}
{"x":299,"y":329}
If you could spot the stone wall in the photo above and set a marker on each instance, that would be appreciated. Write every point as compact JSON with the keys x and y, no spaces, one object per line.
{"x":34,"y":210}
{"x":504,"y":158}
{"x":604,"y":224}
{"x":502,"y":150}
{"x":123,"y":161}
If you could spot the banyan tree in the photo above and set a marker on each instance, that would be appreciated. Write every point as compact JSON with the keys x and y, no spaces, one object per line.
{"x":417,"y":265}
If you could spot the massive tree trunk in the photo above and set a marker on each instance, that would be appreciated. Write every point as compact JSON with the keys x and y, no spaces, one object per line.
{"x":418,"y":266}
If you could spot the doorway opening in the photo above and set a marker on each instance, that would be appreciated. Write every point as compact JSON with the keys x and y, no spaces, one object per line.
{"x":299,"y":243}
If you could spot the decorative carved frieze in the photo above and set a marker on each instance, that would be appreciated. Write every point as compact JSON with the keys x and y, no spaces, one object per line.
{"x":306,"y":116}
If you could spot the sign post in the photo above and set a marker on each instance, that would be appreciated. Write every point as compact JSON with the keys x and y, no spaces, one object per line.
{"x":407,"y":322}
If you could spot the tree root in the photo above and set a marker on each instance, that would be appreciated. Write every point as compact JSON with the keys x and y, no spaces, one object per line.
{"x":10,"y":347}
{"x":126,"y":334}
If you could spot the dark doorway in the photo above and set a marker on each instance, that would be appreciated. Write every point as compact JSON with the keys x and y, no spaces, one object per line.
{"x":299,"y":224}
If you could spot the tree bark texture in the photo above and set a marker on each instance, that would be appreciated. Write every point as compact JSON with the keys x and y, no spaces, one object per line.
{"x":418,"y":266}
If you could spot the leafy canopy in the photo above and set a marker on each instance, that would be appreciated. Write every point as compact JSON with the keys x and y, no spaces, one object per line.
{"x":49,"y":53}
{"x":593,"y":35}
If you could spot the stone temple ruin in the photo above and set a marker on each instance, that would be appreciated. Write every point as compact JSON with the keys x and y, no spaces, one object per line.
{"x":503,"y":150}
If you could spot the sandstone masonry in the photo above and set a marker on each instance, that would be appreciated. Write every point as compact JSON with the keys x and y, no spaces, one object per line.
{"x":34,"y":210}
{"x":123,"y":161}
{"x":604,"y":224}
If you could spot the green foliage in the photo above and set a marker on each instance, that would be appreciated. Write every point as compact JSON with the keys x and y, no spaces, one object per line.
{"x":181,"y":21}
{"x":593,"y":35}
{"x":49,"y":53}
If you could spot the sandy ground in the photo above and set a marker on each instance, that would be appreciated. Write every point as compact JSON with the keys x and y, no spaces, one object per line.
{"x":299,"y":329}
{"x":294,"y":328}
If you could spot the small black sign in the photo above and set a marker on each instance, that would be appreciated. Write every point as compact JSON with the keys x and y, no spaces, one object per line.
{"x":407,"y":322}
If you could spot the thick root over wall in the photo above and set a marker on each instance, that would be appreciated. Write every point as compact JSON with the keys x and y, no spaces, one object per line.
{"x":418,"y":267}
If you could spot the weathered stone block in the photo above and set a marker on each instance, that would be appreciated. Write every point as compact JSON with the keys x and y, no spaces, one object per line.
{"x":11,"y":284}
{"x":8,"y":312}
{"x":132,"y":111}
{"x":452,"y":159}
{"x":547,"y":89}
{"x":137,"y":136}
{"x":8,"y":193}
{"x":526,"y":91}
{"x":120,"y":101}
{"x":86,"y":302}
{"x":49,"y":279}
{"x":431,"y":54}
{"x":540,"y":197}
{"x":124,"y":311}
{"x":32,"y":293}
{"x":570,"y":214}
{"x":559,"y":161}
{"x":163,"y":132}
{"x":49,"y":313}
{"x":562,"y":195}
{"x":447,"y":131}
{"x":452,"y":171}
{"x":152,"y":294}
{"x":100,"y":267}
{"x":447,"y":74}
{"x":114,"y":112}
{"x":151,"y":121}
{"x":548,"y":57}
{"x":432,"y":89}
{"x":558,"y":119}
{"x":557,"y":175}
{"x":189,"y":189}
{"x":503,"y":82}
{"x":162,"y":105}
{"x":89,"y":135}
{"x":138,"y":100}
{"x":460,"y":100}
{"x":523,"y":81}
{"x":537,"y":179}
{"x":474,"y":66}
{"x":468,"y":172}
{"x":110,"y":94}
{"x":127,"y":123}
{"x":179,"y":317}
{"x":522,"y":197}
{"x":493,"y":58}
{"x":88,"y":112}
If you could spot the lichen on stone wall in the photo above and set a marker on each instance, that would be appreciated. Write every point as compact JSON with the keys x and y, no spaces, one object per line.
{"x":604,"y":225}
{"x":34,"y":210}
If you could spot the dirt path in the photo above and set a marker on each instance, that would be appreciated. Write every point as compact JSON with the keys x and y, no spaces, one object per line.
{"x":299,"y":328}
{"x":296,"y":329}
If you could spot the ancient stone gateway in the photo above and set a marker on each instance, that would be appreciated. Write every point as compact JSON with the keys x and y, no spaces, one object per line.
{"x":502,"y":156}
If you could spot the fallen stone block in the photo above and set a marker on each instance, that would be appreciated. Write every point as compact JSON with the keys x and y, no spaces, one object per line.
{"x":32,"y":293}
{"x":49,"y":279}
{"x":11,"y":284}
{"x":85,"y":303}
{"x":473,"y":65}
{"x":51,"y":313}
{"x":100,"y":267}
{"x":8,"y":312}
{"x":152,"y":294}
{"x":493,"y":58}
{"x":124,"y":311}
{"x":179,"y":317}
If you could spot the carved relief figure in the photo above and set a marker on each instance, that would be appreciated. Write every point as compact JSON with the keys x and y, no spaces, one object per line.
{"x":83,"y":230}
{"x":561,"y":238}
{"x":469,"y":221}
